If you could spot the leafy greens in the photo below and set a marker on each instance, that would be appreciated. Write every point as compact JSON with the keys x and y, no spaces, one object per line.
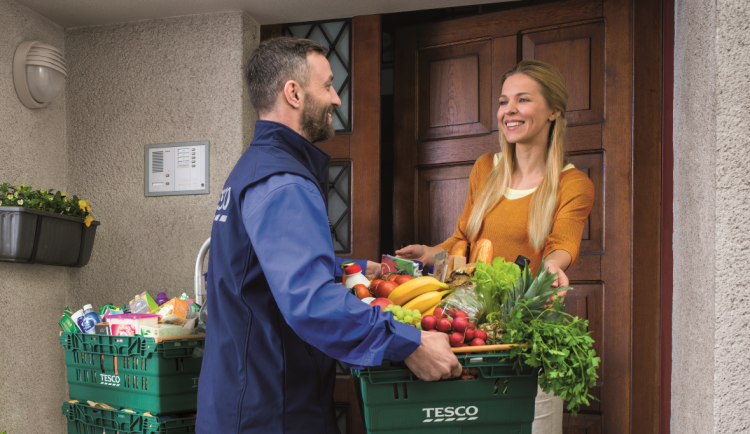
{"x":494,"y":283}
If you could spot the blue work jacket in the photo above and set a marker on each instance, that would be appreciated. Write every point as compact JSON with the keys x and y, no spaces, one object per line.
{"x":276,"y":319}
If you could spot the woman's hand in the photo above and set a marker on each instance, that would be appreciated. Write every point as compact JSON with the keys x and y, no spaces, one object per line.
{"x":557,"y":262}
{"x":419,"y":252}
{"x":561,"y":279}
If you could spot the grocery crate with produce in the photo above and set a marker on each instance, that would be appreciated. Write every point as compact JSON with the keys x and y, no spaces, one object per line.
{"x":137,"y":367}
{"x":510,"y":332}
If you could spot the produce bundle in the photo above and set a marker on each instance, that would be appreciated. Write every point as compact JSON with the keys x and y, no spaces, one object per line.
{"x":530,"y":312}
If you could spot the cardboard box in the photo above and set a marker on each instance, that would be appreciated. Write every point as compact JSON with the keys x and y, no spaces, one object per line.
{"x":161,"y":330}
{"x":174,"y":307}
{"x":143,"y":303}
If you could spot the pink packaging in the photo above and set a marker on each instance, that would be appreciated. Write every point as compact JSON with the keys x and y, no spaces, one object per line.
{"x":135,"y":320}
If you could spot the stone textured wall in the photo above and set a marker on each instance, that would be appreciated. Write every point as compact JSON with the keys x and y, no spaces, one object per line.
{"x":147,"y":82}
{"x":711,"y":218}
{"x":732,"y":286}
{"x":34,"y":152}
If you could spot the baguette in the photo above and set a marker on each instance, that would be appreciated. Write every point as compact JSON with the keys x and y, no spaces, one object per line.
{"x":483,"y":251}
{"x":459,"y":249}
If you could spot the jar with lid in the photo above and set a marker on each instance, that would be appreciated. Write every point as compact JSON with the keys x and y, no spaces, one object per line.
{"x":354,"y":276}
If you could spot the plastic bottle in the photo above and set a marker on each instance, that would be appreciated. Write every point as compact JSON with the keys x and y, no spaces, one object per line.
{"x":78,"y":318}
{"x":161,"y":298}
{"x":354,"y":276}
{"x":90,"y":319}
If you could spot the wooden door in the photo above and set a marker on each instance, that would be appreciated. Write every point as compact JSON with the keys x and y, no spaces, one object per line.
{"x":360,"y":148}
{"x":446,"y":97}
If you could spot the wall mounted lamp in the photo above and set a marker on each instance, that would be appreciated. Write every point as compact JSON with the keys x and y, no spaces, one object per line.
{"x":39,"y":73}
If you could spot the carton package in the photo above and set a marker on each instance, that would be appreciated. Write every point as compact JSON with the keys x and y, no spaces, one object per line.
{"x":161,"y":330}
{"x":143,"y":303}
{"x":173,"y":308}
{"x":135,"y":320}
{"x":102,"y":328}
{"x":122,"y":330}
{"x":390,"y":264}
{"x":445,"y":264}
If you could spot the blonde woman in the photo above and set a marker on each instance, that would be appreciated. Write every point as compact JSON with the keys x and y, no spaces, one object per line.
{"x":527,"y":199}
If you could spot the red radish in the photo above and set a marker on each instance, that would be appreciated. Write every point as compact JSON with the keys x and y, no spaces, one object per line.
{"x":464,"y":344}
{"x":433,"y":330}
{"x":456,"y":339}
{"x":460,"y":324}
{"x":481,"y":334}
{"x":472,"y":326}
{"x":460,"y":313}
{"x":468,"y":336}
{"x":477,"y":342}
{"x":429,"y":322}
{"x":438,"y":312}
{"x":382,"y":302}
{"x":444,"y":325}
{"x":451,"y":312}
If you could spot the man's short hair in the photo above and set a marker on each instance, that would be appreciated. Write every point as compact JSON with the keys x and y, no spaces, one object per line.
{"x":272,"y":64}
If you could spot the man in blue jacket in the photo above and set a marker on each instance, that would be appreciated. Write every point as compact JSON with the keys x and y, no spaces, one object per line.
{"x":277,"y":319}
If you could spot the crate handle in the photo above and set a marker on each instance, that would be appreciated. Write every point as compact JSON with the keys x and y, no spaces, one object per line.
{"x":175,"y":338}
{"x":479,"y":348}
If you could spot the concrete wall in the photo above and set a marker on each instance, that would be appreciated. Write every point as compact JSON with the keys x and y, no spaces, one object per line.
{"x":34,"y":152}
{"x":147,"y":82}
{"x":132,"y":84}
{"x":710,"y":385}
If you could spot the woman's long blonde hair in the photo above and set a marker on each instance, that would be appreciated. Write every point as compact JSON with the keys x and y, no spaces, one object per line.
{"x":544,"y":200}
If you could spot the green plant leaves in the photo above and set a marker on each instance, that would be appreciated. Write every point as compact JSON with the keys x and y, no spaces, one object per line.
{"x":44,"y":200}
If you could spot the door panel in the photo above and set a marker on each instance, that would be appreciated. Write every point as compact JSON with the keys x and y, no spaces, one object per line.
{"x":455,"y":85}
{"x":578,"y":53}
{"x":437,"y":146}
{"x":441,"y":194}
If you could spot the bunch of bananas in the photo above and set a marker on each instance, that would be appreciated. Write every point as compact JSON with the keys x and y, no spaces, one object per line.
{"x":422,"y":294}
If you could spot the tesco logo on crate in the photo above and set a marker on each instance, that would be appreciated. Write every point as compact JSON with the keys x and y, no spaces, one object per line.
{"x":450,"y":414}
{"x":109,"y":380}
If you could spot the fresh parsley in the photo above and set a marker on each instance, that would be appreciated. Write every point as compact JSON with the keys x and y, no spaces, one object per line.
{"x":560,"y":345}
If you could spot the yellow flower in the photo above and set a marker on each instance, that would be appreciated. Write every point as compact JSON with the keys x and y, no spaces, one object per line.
{"x":88,"y":221}
{"x":43,"y":191}
{"x":63,"y":194}
{"x":22,"y":186}
{"x":15,"y":194}
{"x":84,"y":205}
{"x":20,"y":201}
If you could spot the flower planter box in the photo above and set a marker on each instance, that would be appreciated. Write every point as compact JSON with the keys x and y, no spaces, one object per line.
{"x":38,"y":237}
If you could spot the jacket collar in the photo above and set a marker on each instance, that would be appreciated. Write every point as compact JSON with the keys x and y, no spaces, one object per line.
{"x":293,"y":143}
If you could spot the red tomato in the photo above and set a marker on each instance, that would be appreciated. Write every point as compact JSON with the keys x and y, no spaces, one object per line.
{"x":384,"y":289}
{"x":374,"y":284}
{"x":400,"y":280}
{"x":393,"y":277}
{"x":362,"y":291}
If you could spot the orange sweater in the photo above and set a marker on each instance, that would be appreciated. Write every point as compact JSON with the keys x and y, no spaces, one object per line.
{"x":506,"y":225}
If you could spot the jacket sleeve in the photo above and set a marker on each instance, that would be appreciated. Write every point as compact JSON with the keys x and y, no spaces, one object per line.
{"x":289,"y":231}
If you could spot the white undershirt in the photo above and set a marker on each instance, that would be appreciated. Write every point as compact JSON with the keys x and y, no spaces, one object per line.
{"x":512,"y":194}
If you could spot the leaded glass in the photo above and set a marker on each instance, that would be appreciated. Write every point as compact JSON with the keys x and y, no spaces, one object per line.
{"x":339,"y":205}
{"x":336,"y":36}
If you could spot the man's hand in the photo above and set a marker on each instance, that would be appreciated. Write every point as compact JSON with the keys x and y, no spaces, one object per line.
{"x":434,"y":360}
{"x":373,"y":270}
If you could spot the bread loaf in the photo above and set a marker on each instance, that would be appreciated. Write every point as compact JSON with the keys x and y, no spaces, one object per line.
{"x":459,"y":249}
{"x":482,"y":250}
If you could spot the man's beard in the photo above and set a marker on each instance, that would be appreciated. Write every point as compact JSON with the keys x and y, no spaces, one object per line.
{"x":314,"y":122}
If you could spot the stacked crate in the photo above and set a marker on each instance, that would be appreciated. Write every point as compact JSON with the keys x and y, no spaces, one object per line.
{"x":147,"y":381}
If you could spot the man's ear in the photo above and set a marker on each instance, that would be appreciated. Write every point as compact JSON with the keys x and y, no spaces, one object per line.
{"x":293,"y":93}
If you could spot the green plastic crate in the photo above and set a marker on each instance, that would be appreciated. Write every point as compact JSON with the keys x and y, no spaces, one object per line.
{"x":85,"y":419}
{"x":498,"y":401}
{"x":134,"y":372}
